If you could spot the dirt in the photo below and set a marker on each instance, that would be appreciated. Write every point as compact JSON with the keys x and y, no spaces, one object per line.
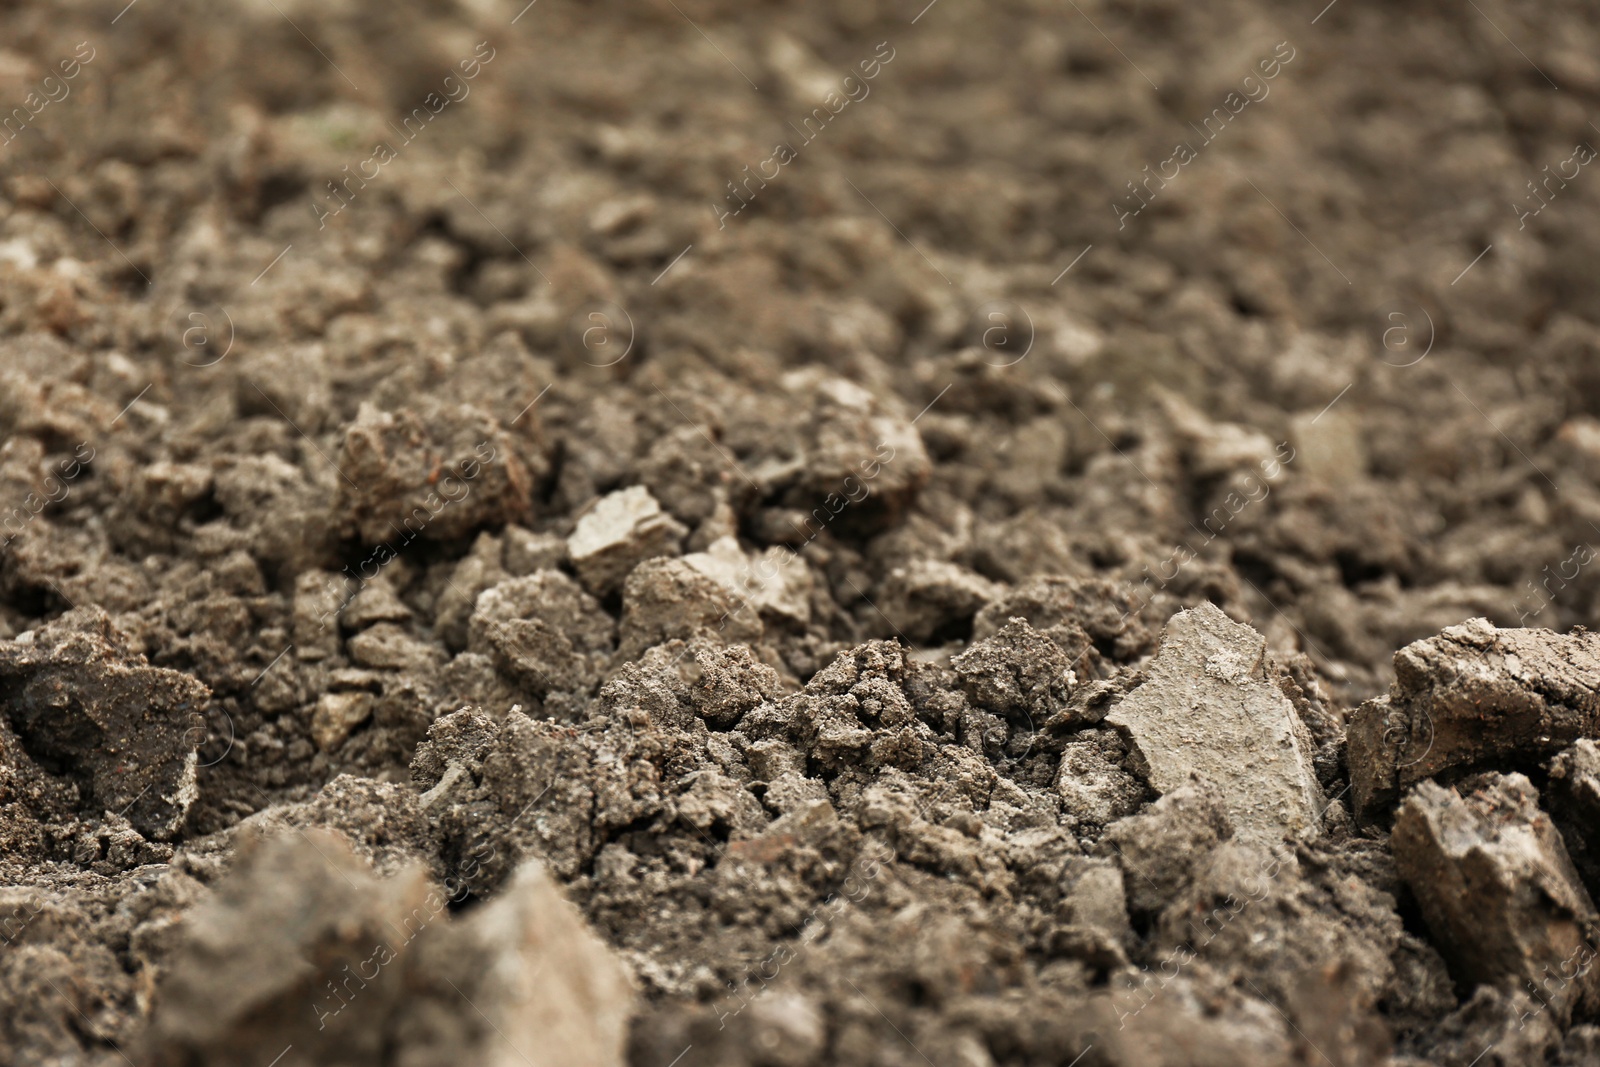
{"x":690,"y":535}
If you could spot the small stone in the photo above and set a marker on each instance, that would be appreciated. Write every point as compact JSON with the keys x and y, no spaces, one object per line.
{"x":336,"y":717}
{"x":1575,"y":805}
{"x":686,"y":472}
{"x":552,"y":992}
{"x":732,"y":681}
{"x":526,"y":551}
{"x":377,"y":602}
{"x":1215,"y":449}
{"x":388,"y":646}
{"x":550,"y":596}
{"x":1330,"y":446}
{"x":437,"y":473}
{"x":302,"y":946}
{"x":776,"y":585}
{"x":856,"y":448}
{"x":267,"y":956}
{"x":622,"y":530}
{"x":1498,"y":891}
{"x":1081,"y":615}
{"x":478,"y":570}
{"x":1094,"y":787}
{"x":1473,"y":696}
{"x":1207,"y":707}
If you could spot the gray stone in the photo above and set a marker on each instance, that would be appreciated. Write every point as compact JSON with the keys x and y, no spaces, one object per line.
{"x":1018,"y":672}
{"x":1095,"y":789}
{"x":540,"y":657}
{"x":1208,"y":708}
{"x":622,"y":530}
{"x":1574,"y":798}
{"x":551,"y":597}
{"x":775,"y":584}
{"x":478,"y":570}
{"x":319,"y":596}
{"x":390,"y":646}
{"x":377,"y":602}
{"x":439,"y":472}
{"x":854,"y":446}
{"x":302,"y":946}
{"x":526,"y":983}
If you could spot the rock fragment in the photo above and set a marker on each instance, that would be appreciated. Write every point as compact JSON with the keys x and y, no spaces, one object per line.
{"x":547,"y":595}
{"x":90,"y":709}
{"x":526,"y":551}
{"x":1495,"y":885}
{"x":623,"y":530}
{"x":774,"y":583}
{"x":1095,"y":788}
{"x":1282,"y":916}
{"x":732,"y":681}
{"x":684,"y":470}
{"x":319,"y":596}
{"x":376,"y":602}
{"x":540,"y":657}
{"x":1080,"y":615}
{"x":388,"y":645}
{"x":1473,"y":696}
{"x":1498,"y":1028}
{"x":282,"y":510}
{"x":854,"y":447}
{"x":336,"y":717}
{"x":478,"y":570}
{"x":1207,"y":707}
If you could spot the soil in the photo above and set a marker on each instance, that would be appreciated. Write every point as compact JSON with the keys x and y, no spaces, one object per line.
{"x":682,"y":534}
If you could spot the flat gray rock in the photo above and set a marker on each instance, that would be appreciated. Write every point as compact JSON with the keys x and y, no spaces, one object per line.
{"x":1207,"y":708}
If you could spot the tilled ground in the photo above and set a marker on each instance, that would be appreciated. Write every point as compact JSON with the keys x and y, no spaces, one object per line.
{"x":683,"y":534}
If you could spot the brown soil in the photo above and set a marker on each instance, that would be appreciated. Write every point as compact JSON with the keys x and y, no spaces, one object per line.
{"x":742,"y":462}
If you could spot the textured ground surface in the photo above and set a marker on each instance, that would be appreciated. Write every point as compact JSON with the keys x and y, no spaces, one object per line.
{"x":733,"y":469}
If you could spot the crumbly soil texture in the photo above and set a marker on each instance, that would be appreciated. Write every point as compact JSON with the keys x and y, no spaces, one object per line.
{"x":686,"y":534}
